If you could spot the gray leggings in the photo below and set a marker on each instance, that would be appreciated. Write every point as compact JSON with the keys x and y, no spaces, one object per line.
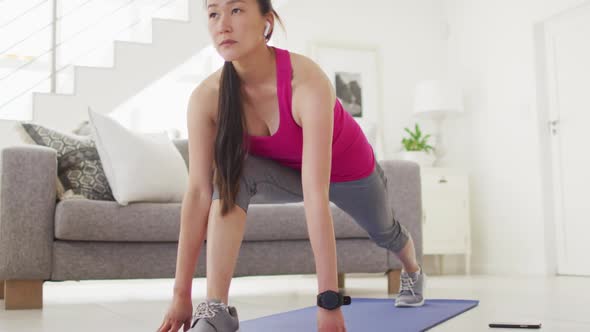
{"x":365,"y":200}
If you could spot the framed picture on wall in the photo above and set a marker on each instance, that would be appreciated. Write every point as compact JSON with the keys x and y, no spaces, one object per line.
{"x":353,"y":71}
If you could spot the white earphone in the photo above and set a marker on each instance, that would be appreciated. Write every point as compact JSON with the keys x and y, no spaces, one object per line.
{"x":266,"y":29}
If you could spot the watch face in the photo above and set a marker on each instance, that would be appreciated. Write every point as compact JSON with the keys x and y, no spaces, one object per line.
{"x":330,"y":300}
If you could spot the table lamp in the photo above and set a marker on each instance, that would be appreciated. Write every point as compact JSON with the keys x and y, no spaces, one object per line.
{"x":437,"y":99}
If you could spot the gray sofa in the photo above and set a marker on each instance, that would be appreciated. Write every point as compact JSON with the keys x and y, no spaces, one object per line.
{"x":44,"y":240}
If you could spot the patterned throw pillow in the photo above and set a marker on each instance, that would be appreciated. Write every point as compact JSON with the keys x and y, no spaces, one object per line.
{"x":79,"y":170}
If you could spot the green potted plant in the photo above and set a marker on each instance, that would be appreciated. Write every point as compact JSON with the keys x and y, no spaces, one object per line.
{"x":416,"y":148}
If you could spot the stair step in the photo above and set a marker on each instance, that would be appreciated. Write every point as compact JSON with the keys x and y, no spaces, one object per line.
{"x":135,"y":66}
{"x":125,"y":52}
{"x":164,"y":30}
{"x":59,"y":111}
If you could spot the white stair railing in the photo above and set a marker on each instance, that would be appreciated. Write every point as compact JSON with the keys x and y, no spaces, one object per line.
{"x":42,"y":40}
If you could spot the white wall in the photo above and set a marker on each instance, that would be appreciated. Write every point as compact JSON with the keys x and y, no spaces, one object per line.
{"x":491,"y":50}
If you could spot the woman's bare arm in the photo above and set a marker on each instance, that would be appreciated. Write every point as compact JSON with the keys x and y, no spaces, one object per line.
{"x":314,"y":99}
{"x":197,"y":200}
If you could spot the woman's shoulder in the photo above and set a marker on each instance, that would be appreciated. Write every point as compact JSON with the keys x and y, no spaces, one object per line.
{"x":209,"y":87}
{"x":304,"y":67}
{"x":205,"y":95}
{"x":308,"y":76}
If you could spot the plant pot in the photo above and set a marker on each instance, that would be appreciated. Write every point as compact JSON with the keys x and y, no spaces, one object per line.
{"x":424,"y":159}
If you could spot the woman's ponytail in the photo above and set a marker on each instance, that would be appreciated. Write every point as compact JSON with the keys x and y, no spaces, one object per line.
{"x":230,"y":145}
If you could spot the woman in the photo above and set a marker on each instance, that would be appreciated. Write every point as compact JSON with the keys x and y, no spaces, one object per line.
{"x":269,"y":122}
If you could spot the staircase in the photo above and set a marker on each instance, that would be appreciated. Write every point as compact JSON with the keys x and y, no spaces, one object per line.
{"x":135,"y":66}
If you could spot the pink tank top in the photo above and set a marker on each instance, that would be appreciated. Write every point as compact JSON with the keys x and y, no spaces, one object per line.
{"x":352,"y":155}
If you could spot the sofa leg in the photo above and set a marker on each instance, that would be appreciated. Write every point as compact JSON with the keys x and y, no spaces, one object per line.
{"x":393,"y":281}
{"x":23,"y":294}
{"x":1,"y":289}
{"x":341,"y":278}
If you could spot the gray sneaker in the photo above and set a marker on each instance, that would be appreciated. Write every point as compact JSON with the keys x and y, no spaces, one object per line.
{"x":411,"y":292}
{"x":215,"y":316}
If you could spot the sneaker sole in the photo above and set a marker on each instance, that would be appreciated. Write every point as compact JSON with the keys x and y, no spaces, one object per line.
{"x":417,"y":304}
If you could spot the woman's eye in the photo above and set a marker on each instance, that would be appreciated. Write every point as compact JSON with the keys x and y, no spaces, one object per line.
{"x":211,"y":15}
{"x":235,"y":10}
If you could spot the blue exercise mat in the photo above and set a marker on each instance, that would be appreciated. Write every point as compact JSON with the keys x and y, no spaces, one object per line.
{"x":363,"y":315}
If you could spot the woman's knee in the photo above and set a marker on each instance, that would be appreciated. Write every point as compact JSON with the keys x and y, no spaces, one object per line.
{"x":394,"y":239}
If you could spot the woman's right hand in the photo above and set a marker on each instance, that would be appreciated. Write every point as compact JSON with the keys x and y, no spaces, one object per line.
{"x":179,"y":314}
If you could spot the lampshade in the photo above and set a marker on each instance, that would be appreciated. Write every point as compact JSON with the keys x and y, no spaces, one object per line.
{"x":437,"y":96}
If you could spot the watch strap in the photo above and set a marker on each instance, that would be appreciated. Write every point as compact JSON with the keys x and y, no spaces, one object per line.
{"x":346,"y":300}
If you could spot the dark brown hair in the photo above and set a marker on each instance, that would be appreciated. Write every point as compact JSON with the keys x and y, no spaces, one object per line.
{"x":230,"y":142}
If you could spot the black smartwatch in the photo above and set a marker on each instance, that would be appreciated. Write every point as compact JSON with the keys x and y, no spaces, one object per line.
{"x":331,"y":300}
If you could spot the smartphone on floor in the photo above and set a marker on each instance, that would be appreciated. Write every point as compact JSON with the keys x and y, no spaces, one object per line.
{"x":514,"y":325}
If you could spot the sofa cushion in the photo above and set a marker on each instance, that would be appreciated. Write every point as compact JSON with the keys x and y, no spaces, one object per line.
{"x":88,"y":220}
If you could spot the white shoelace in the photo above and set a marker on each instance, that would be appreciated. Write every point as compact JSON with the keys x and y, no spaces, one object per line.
{"x":407,"y":285}
{"x":208,"y":309}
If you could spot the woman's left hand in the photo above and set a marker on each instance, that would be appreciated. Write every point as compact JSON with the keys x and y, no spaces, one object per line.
{"x":330,"y":320}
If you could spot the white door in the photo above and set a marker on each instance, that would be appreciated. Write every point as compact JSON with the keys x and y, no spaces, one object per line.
{"x":568,"y":78}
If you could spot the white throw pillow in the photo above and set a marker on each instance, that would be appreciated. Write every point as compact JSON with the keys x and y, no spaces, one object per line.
{"x":139,"y":167}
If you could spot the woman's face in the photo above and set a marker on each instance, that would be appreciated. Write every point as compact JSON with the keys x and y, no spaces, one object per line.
{"x":235,"y":26}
